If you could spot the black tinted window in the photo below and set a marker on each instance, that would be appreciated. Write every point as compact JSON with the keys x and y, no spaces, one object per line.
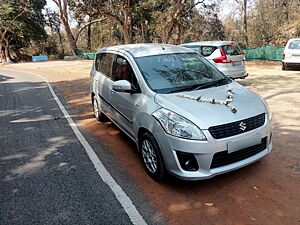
{"x":104,"y":63}
{"x":123,"y":71}
{"x":207,"y":50}
{"x":232,"y":49}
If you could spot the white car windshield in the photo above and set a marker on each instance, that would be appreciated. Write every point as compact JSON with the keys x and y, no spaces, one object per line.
{"x":179,"y":72}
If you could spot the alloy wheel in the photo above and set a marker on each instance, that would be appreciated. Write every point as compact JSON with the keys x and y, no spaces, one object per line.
{"x":149,"y":156}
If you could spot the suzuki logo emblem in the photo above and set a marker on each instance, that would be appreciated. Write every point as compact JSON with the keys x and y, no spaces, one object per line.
{"x":243,"y":126}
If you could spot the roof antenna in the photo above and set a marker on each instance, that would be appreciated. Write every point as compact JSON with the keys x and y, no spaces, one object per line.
{"x":163,"y":48}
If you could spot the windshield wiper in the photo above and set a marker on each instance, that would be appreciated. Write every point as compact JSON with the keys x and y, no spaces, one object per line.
{"x":212,"y":84}
{"x":200,"y":86}
{"x":185,"y":88}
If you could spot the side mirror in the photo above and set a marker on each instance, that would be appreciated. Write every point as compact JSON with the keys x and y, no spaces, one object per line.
{"x":122,"y":86}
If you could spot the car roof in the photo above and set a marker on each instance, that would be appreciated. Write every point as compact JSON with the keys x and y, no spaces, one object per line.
{"x":209,"y":43}
{"x":141,"y":50}
{"x":294,"y":39}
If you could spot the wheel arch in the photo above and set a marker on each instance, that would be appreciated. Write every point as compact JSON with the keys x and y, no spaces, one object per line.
{"x":141,"y":131}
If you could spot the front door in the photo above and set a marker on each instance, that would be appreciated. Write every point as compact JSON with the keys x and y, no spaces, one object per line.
{"x":125,"y":105}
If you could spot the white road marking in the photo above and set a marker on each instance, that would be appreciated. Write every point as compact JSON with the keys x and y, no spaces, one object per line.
{"x":125,"y":201}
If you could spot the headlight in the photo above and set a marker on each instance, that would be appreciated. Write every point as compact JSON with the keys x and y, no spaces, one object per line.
{"x":177,"y":125}
{"x":269,"y":113}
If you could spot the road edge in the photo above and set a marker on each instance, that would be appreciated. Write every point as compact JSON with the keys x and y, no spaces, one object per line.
{"x":121,"y":196}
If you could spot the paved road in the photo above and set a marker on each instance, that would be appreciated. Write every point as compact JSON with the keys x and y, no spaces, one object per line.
{"x":46,"y":176}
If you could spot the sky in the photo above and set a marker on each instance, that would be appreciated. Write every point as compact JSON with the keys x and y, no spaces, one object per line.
{"x":51,"y":4}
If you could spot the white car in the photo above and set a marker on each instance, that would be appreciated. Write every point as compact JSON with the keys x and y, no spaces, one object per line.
{"x":227,"y":56}
{"x":291,"y":55}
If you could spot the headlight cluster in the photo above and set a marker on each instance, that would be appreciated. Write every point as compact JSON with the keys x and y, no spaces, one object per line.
{"x":177,"y":125}
{"x":269,"y":113}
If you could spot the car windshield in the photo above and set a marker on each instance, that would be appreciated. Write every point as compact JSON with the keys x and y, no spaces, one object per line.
{"x":179,"y":72}
{"x":295,"y":44}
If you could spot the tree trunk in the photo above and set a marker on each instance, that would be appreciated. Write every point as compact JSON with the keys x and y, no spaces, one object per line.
{"x":127,"y":26}
{"x":2,"y":57}
{"x":60,"y":41}
{"x":285,"y":5}
{"x":71,"y":38}
{"x":245,"y":30}
{"x":89,"y":37}
{"x":6,"y":51}
{"x":63,"y":13}
{"x":179,"y":7}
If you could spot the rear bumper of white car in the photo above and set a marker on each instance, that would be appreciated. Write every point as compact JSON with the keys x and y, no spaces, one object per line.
{"x":295,"y":61}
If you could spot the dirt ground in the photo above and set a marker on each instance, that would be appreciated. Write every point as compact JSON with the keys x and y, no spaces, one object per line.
{"x":266,"y":192}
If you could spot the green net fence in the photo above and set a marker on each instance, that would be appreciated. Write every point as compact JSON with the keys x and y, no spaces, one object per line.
{"x":266,"y":52}
{"x":86,"y":55}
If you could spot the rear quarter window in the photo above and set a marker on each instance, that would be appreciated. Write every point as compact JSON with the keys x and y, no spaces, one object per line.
{"x":104,"y":63}
{"x":207,"y":50}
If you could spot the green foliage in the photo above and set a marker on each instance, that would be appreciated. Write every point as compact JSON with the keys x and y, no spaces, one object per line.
{"x":270,"y":22}
{"x":149,"y":20}
{"x":21,"y":21}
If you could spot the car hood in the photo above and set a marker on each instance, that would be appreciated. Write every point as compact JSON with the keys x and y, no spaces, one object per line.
{"x":204,"y":114}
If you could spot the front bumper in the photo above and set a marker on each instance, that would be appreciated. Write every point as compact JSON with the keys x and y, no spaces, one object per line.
{"x":204,"y":151}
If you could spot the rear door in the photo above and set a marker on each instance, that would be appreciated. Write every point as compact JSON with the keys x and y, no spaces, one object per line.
{"x":104,"y":81}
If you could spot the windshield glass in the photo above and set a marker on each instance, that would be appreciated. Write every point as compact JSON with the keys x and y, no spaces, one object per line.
{"x":295,"y":44}
{"x":171,"y":72}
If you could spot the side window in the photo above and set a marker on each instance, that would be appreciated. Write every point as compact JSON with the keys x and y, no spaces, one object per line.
{"x":97,"y":62}
{"x":207,"y":50}
{"x":123,"y":71}
{"x":104,"y":63}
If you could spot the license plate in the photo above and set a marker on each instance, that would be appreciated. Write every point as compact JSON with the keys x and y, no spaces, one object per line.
{"x":243,"y":143}
{"x":237,"y":63}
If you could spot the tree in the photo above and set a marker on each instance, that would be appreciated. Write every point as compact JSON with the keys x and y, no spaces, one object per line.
{"x":72,"y":37}
{"x":242,"y":5}
{"x":20,"y":22}
{"x":173,"y":16}
{"x":53,"y":21}
{"x":119,"y":11}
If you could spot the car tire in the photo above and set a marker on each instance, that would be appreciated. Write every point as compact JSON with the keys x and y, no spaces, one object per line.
{"x":152,"y":157}
{"x":284,"y":66}
{"x":97,"y":112}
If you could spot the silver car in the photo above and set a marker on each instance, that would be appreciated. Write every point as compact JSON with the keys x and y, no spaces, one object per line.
{"x":187,"y":118}
{"x":227,"y":56}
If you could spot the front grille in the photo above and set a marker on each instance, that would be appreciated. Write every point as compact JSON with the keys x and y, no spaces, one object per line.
{"x":224,"y":158}
{"x":231,"y":129}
